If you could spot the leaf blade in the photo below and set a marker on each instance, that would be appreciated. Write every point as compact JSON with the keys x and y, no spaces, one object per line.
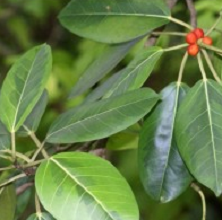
{"x":162,"y":171}
{"x":24,"y":85}
{"x":198,"y":133}
{"x":103,"y":118}
{"x":113,"y":21}
{"x":88,"y":176}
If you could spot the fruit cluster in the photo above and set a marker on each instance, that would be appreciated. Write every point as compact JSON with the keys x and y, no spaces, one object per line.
{"x":192,"y":39}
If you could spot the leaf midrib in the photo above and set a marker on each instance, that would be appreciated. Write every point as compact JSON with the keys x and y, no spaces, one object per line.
{"x":81,"y":185}
{"x":90,"y":117}
{"x":211,"y":128}
{"x":22,"y":94}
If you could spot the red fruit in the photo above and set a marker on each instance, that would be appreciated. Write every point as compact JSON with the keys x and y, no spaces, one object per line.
{"x":207,"y":40}
{"x":193,"y":49}
{"x":191,"y":38}
{"x":199,"y":32}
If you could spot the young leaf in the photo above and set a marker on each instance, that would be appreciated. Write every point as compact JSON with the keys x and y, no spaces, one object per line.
{"x":5,"y":138}
{"x":40,"y":216}
{"x":217,"y":59}
{"x":199,"y":132}
{"x":113,"y":21}
{"x":32,"y":121}
{"x":24,"y":85}
{"x":101,"y":119}
{"x":82,"y":186}
{"x":162,"y":171}
{"x":7,"y":202}
{"x":136,"y":72}
{"x":105,"y":62}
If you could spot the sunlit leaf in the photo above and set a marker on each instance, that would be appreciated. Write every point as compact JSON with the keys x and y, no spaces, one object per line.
{"x":78,"y":185}
{"x":114,"y":21}
{"x":24,"y":85}
{"x":199,"y":132}
{"x":162,"y":171}
{"x":5,"y":138}
{"x":103,"y":118}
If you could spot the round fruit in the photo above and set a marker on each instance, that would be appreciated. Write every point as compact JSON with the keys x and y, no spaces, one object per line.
{"x":199,"y":32}
{"x":193,"y":49}
{"x":207,"y":40}
{"x":191,"y":38}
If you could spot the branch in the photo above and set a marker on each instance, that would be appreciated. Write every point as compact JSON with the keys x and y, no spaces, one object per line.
{"x":193,"y":13}
{"x":23,"y":188}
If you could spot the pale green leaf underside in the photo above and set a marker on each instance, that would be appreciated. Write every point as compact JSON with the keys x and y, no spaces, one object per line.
{"x":24,"y":85}
{"x":162,"y":171}
{"x":73,"y":186}
{"x":137,"y":72}
{"x":101,"y":119}
{"x":113,"y":21}
{"x":199,"y":132}
{"x":105,"y":62}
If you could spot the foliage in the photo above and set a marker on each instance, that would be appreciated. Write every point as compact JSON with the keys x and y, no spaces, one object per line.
{"x":85,"y":165}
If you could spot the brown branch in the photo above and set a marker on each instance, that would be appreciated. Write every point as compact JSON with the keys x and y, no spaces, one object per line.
{"x":193,"y":13}
{"x":23,"y":188}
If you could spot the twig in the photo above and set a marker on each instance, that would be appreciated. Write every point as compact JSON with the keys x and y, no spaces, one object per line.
{"x":17,"y":154}
{"x":201,"y":194}
{"x":13,"y":145}
{"x":36,"y":141}
{"x":214,"y":25}
{"x":7,"y":168}
{"x":193,"y":13}
{"x":210,"y":65}
{"x":13,"y":179}
{"x":182,"y":67}
{"x":23,"y":188}
{"x":151,"y":40}
{"x":37,"y":204}
{"x":38,"y":151}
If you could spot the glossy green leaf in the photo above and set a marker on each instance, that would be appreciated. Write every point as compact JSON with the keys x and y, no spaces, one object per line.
{"x":162,"y":171}
{"x":124,"y":140}
{"x":40,"y":216}
{"x":7,"y":202}
{"x":114,"y":21}
{"x":103,"y":118}
{"x":32,"y":121}
{"x":24,"y":85}
{"x":105,"y":62}
{"x":5,"y":137}
{"x":78,"y":185}
{"x":136,"y":72}
{"x":102,"y":89}
{"x":199,"y":132}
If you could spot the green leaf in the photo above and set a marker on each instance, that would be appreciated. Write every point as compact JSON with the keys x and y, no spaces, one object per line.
{"x":40,"y":216}
{"x":101,"y":119}
{"x":217,"y":59}
{"x":102,"y":89}
{"x":79,"y":185}
{"x":162,"y":171}
{"x":125,"y":140}
{"x":113,"y":21}
{"x":24,"y":85}
{"x":7,"y":202}
{"x":105,"y":62}
{"x":5,"y":137}
{"x":136,"y":72}
{"x":32,"y":121}
{"x":199,"y":132}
